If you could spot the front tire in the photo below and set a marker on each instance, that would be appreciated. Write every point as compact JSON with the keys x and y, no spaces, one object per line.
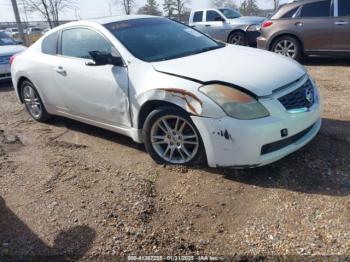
{"x":33,"y":102}
{"x":170,"y":137}
{"x":287,"y":46}
{"x":238,"y":38}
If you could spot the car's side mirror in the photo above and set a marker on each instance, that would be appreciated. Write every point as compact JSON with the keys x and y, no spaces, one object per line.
{"x":101,"y":58}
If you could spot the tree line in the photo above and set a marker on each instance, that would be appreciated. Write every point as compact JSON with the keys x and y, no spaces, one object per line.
{"x":179,"y":8}
{"x":50,"y":10}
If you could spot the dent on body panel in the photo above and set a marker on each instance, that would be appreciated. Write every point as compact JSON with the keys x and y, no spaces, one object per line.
{"x":122,"y":93}
{"x":115,"y":108}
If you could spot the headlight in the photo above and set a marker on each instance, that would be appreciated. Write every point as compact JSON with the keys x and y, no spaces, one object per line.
{"x":254,"y":28}
{"x":234,"y":102}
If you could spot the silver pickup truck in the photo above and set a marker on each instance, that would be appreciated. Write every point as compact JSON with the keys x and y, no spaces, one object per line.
{"x":227,"y":25}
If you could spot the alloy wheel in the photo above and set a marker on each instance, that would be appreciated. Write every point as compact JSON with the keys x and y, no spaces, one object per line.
{"x":286,"y":48}
{"x":32,"y":101}
{"x":174,"y":139}
{"x":237,"y":39}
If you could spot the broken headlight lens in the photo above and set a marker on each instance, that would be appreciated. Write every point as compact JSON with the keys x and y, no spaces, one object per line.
{"x":253,"y":28}
{"x":234,"y":102}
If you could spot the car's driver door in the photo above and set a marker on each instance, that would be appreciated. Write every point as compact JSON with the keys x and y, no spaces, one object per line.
{"x":98,"y":93}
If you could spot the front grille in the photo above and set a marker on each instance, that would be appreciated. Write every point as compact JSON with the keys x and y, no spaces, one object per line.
{"x":4,"y":60}
{"x":275,"y":146}
{"x":303,"y":97}
{"x":5,"y":75}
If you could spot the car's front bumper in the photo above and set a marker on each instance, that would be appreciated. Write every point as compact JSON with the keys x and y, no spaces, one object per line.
{"x":239,"y":143}
{"x":5,"y":71}
{"x":252,"y":37}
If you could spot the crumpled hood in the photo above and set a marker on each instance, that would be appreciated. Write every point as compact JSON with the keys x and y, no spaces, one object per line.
{"x":255,"y":70}
{"x":11,"y":49}
{"x":248,"y":20}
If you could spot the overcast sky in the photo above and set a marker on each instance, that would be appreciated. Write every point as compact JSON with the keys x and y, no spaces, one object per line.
{"x":97,"y":8}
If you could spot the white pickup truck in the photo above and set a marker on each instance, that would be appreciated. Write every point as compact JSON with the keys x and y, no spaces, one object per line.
{"x":227,"y":25}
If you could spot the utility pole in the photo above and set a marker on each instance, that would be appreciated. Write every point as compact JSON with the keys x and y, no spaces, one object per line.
{"x":18,"y":20}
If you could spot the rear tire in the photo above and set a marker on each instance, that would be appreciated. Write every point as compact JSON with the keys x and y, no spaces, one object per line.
{"x":238,"y":38}
{"x":33,"y":102}
{"x":287,"y":46}
{"x":170,"y":137}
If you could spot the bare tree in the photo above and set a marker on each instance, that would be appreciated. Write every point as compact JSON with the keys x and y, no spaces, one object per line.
{"x":127,"y":5}
{"x":276,"y":4}
{"x":150,"y":8}
{"x":169,"y":7}
{"x":49,"y":9}
{"x":180,"y":8}
{"x":249,"y":7}
{"x":224,"y":3}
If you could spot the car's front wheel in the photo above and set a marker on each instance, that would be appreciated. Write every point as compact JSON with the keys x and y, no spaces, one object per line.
{"x":170,"y":137}
{"x":238,"y":38}
{"x":33,"y":102}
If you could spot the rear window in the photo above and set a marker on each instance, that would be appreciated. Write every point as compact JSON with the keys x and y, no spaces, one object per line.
{"x":317,"y":9}
{"x":344,"y":8}
{"x":198,"y":16}
{"x":49,"y":44}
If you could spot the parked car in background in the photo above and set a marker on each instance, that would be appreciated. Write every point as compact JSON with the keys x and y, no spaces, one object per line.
{"x":175,"y":92}
{"x":45,"y":30}
{"x":8,"y":47}
{"x":227,"y":25}
{"x":12,"y":31}
{"x":34,"y":31}
{"x":308,"y":27}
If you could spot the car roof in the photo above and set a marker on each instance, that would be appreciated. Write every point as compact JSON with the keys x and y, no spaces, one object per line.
{"x":300,"y":2}
{"x":112,"y":19}
{"x":208,"y":9}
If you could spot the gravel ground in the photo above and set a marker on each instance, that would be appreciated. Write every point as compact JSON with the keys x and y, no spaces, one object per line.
{"x":69,"y":189}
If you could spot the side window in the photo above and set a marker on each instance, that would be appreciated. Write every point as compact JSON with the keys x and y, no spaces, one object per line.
{"x":198,"y":16}
{"x":213,"y":16}
{"x":79,"y":42}
{"x":291,"y":13}
{"x":49,"y":44}
{"x":317,"y":9}
{"x":344,"y":8}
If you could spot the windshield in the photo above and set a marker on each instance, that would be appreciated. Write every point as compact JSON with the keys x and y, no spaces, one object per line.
{"x":159,"y":39}
{"x":6,"y":40}
{"x":230,"y":13}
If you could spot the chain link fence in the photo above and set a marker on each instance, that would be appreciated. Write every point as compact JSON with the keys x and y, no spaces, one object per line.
{"x":32,"y":30}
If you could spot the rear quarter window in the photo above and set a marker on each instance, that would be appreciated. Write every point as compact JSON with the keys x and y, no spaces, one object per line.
{"x":317,"y":9}
{"x":290,"y":14}
{"x":49,"y":44}
{"x":344,"y":7}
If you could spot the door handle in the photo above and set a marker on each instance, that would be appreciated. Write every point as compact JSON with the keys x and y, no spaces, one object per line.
{"x":299,"y":24}
{"x":341,"y":23}
{"x":207,"y":25}
{"x":61,"y":71}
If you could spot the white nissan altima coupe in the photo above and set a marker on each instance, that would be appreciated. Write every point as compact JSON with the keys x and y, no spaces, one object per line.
{"x":188,"y":98}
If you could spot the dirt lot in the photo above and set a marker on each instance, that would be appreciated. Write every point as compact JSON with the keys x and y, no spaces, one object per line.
{"x":71,"y":189}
